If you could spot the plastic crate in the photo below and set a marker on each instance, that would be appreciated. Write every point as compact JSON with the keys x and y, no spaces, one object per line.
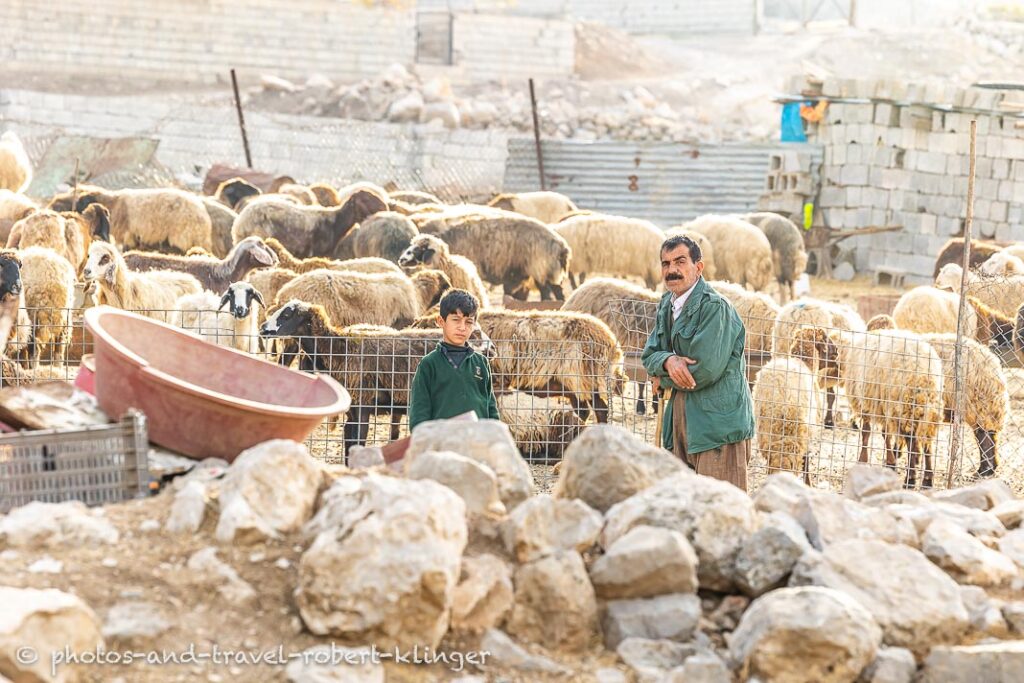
{"x":96,"y":465}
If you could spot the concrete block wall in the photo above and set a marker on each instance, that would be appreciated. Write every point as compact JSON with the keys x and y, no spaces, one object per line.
{"x":887,"y":164}
{"x":201,"y":39}
{"x":494,"y":46}
{"x":193,"y":135}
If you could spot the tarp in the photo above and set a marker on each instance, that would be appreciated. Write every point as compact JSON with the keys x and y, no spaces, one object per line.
{"x":121,"y":162}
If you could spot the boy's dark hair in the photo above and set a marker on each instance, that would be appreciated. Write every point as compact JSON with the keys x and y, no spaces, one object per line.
{"x":458,"y":301}
{"x":680,"y":240}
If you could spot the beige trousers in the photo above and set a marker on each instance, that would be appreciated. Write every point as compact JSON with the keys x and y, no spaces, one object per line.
{"x":728,"y":463}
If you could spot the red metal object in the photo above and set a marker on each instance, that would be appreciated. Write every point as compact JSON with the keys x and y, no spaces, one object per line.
{"x":86,"y":377}
{"x":201,"y":399}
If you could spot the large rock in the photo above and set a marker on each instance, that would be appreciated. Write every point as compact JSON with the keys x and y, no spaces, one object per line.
{"x":269,"y":490}
{"x":703,"y":667}
{"x":544,"y":524}
{"x":666,"y":617}
{"x":646,"y":562}
{"x":406,"y":108}
{"x":651,"y":660}
{"x":188,"y":509}
{"x":555,"y":603}
{"x":135,"y":621}
{"x":976,"y":522}
{"x":891,"y":665}
{"x":207,"y":569}
{"x":829,"y":518}
{"x":984,"y":611}
{"x":808,"y":634}
{"x":488,"y":442}
{"x":334,"y":664}
{"x":55,"y":524}
{"x":998,"y":662}
{"x":505,"y":652}
{"x":916,"y":603}
{"x":964,"y":557}
{"x":1012,"y":545}
{"x":880,"y":500}
{"x":984,"y":495}
{"x":46,"y":622}
{"x":715,"y":516}
{"x":475,"y":482}
{"x":1013,"y":615}
{"x":385,"y":569}
{"x":766,"y":559}
{"x":606,"y":464}
{"x":1010,"y":513}
{"x":484,"y":595}
{"x":863,"y":480}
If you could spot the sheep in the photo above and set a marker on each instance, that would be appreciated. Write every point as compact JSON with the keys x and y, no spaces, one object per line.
{"x":757,"y":311}
{"x":153,"y":293}
{"x":306,"y":230}
{"x":384,"y":235}
{"x":892,"y":378}
{"x":541,"y":426}
{"x":707,"y":252}
{"x":13,"y":207}
{"x":221,"y":220}
{"x":930,"y":310}
{"x":350,"y":297}
{"x":231,"y":192}
{"x":414,"y":197}
{"x":213,"y":274}
{"x":362,"y":187}
{"x":1015,"y":249}
{"x":743,"y":254}
{"x":1004,"y":294}
{"x":68,"y":233}
{"x":235,"y":328}
{"x":1001,"y":263}
{"x":627,"y":309}
{"x":432,"y":252}
{"x":789,"y":258}
{"x":269,"y":281}
{"x":430,"y":286}
{"x":302,"y":194}
{"x":241,"y":299}
{"x":362,"y":265}
{"x":953,"y":252}
{"x":49,"y":289}
{"x":613,"y":245}
{"x":325,"y":194}
{"x":986,"y":399}
{"x":375,"y":364}
{"x":154,"y":219}
{"x":12,"y":289}
{"x":547,"y":207}
{"x":507,"y":248}
{"x":15,"y":167}
{"x":881,"y":321}
{"x":787,"y":404}
{"x":814,"y":313}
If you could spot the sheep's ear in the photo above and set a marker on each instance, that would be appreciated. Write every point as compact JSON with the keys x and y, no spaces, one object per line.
{"x":255,"y":295}
{"x":224,"y":299}
{"x":264,"y":255}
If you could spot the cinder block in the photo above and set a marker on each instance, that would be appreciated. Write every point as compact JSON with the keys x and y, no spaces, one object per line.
{"x":998,"y":211}
{"x":1000,"y":169}
{"x":886,"y":115}
{"x":949,"y":226}
{"x":854,"y":174}
{"x":985,"y":228}
{"x":928,"y":224}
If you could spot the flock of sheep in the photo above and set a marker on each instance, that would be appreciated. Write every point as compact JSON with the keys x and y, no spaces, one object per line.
{"x":346,"y":281}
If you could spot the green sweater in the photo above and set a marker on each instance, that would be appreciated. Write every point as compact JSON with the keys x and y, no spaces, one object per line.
{"x":440,"y":390}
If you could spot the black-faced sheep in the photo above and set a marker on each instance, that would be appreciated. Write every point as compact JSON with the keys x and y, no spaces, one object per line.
{"x":213,"y":274}
{"x":707,"y":252}
{"x":953,"y":252}
{"x":361,"y":265}
{"x":68,"y":233}
{"x":13,"y":207}
{"x":351,"y":298}
{"x":238,"y":327}
{"x":432,"y":252}
{"x":743,"y":254}
{"x":222,"y":219}
{"x":152,"y":293}
{"x":12,"y":290}
{"x":613,"y":245}
{"x":384,"y":235}
{"x":789,"y":258}
{"x":507,"y":248}
{"x":49,"y":289}
{"x":162,"y":219}
{"x":306,"y":230}
{"x":927,"y":310}
{"x":15,"y":167}
{"x":547,"y":207}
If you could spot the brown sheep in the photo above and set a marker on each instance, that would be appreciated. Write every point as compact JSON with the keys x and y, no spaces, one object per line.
{"x":302,"y":194}
{"x":221,"y":220}
{"x":213,"y":274}
{"x":231,"y":192}
{"x":351,"y":298}
{"x":269,"y":281}
{"x":430,"y":286}
{"x":325,"y":194}
{"x":306,"y":230}
{"x":361,"y":265}
{"x":507,"y":248}
{"x":882,"y":321}
{"x":13,"y":207}
{"x":160,"y":219}
{"x":67,"y":233}
{"x":385,"y":235}
{"x":953,"y":252}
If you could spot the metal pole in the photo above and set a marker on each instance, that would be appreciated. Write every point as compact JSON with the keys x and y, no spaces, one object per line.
{"x":958,"y":382}
{"x":536,"y":137}
{"x":241,"y":119}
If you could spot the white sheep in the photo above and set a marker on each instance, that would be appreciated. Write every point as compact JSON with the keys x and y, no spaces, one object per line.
{"x":1004,"y":294}
{"x":547,"y":207}
{"x":49,"y":290}
{"x":152,"y":293}
{"x":15,"y":167}
{"x":235,"y":328}
{"x":542,"y":426}
{"x":1001,"y":263}
{"x":742,"y":252}
{"x":930,"y":310}
{"x":787,"y":407}
{"x":613,"y":245}
{"x":432,"y":252}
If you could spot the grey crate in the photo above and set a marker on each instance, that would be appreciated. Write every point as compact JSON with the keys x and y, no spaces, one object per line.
{"x":95,"y":465}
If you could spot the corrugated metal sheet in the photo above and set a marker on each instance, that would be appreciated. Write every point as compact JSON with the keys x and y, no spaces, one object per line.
{"x":667,"y":183}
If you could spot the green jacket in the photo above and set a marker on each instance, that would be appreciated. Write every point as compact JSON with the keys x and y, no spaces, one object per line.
{"x":719,"y":410}
{"x":440,"y":391}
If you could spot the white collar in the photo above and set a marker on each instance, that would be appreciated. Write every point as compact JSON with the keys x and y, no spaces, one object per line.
{"x":679,"y":301}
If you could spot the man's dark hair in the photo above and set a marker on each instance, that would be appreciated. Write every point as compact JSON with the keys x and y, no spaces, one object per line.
{"x":680,"y":240}
{"x":459,"y":301}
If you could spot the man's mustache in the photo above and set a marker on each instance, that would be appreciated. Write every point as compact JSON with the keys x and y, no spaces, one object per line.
{"x":673,"y":276}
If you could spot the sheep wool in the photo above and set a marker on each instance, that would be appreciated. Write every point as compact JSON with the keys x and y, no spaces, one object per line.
{"x":541,"y":426}
{"x":15,"y":167}
{"x":384,"y":235}
{"x":613,"y":245}
{"x":808,"y":312}
{"x":743,"y":254}
{"x":931,"y":310}
{"x":547,"y":207}
{"x":349,"y":297}
{"x":1003,"y":294}
{"x":787,"y":405}
{"x":13,"y":207}
{"x":627,"y":309}
{"x":1001,"y":263}
{"x":757,"y":311}
{"x":789,"y":258}
{"x":153,"y":218}
{"x":431,"y":251}
{"x":49,"y":287}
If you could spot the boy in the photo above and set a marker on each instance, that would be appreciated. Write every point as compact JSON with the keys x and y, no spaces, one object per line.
{"x":453,"y":378}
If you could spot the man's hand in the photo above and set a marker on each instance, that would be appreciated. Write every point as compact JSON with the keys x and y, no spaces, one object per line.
{"x":679,"y":371}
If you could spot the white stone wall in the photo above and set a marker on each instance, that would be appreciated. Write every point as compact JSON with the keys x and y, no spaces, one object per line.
{"x":497,"y":47}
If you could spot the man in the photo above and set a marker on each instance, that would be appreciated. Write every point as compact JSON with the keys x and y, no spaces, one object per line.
{"x":696,"y":350}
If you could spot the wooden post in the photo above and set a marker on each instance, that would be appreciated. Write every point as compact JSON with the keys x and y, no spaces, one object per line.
{"x":241,"y":119}
{"x":536,"y":137}
{"x":958,"y":381}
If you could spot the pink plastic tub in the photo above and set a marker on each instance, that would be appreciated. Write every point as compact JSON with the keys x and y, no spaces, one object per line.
{"x":201,"y":399}
{"x":86,"y":377}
